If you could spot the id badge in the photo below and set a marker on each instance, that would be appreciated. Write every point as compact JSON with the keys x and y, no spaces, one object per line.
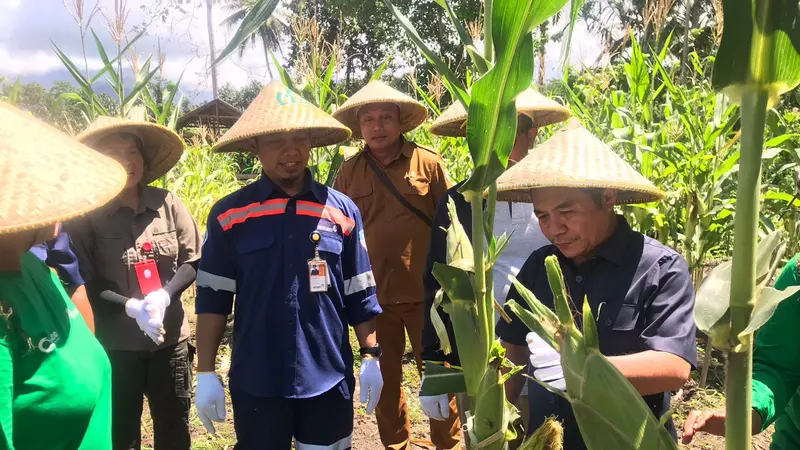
{"x":147,"y":275}
{"x":318,"y":280}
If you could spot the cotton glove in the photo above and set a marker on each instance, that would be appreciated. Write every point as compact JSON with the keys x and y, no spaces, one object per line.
{"x":371,"y":382}
{"x":159,"y":300}
{"x":210,"y":400}
{"x":546,"y":362}
{"x":437,"y":407}
{"x":145,"y":317}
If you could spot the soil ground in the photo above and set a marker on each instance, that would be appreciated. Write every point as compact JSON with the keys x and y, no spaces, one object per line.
{"x":365,"y":433}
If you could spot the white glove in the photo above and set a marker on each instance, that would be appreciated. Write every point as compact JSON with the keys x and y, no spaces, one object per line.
{"x":144,"y":314}
{"x":546,"y":362}
{"x":210,"y":400}
{"x":437,"y":407}
{"x":159,"y":299}
{"x":370,"y":382}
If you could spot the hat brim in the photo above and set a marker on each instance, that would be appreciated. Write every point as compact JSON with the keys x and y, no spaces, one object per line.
{"x":48,"y":177}
{"x":162,"y":147}
{"x":626,"y":195}
{"x":319,"y":136}
{"x":412,"y":114}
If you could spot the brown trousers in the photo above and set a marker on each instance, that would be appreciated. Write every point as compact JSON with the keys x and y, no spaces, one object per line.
{"x":392,"y":412}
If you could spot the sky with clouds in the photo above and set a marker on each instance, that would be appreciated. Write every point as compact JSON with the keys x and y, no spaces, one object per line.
{"x":28,"y":26}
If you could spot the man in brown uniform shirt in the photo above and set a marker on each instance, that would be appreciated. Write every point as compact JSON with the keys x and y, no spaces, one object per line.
{"x":398,"y":231}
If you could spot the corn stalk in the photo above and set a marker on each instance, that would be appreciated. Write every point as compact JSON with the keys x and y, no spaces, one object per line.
{"x":758,"y":60}
{"x":506,"y":69}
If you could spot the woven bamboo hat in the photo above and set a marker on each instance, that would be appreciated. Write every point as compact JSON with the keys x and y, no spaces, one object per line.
{"x":162,"y":147}
{"x":278,"y":109}
{"x":47,"y":176}
{"x":412,"y":112}
{"x":573,"y":157}
{"x":542,"y":111}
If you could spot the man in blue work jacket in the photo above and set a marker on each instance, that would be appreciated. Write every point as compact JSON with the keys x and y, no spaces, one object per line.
{"x":293,"y":253}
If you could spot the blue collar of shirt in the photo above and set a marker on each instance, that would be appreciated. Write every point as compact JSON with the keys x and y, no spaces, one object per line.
{"x":267,"y":188}
{"x":613,"y":249}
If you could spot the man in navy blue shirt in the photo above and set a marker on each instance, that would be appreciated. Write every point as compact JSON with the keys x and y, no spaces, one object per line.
{"x":639,"y":290}
{"x":293,"y":253}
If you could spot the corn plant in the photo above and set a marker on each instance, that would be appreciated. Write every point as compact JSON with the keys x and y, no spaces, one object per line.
{"x":757,"y":61}
{"x":506,"y":69}
{"x":610,"y":412}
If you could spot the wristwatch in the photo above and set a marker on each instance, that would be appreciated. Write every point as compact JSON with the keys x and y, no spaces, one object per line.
{"x":375,"y":351}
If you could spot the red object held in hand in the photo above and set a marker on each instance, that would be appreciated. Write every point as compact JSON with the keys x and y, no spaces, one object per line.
{"x":147,"y":275}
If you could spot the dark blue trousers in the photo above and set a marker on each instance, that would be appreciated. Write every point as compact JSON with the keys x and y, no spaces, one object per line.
{"x":316,"y":423}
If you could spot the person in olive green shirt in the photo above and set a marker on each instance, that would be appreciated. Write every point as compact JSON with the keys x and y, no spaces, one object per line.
{"x":55,"y":378}
{"x":776,"y":375}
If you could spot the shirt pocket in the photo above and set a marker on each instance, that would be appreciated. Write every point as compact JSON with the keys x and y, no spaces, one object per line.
{"x":166,"y":243}
{"x":417,"y":185}
{"x":618,"y":328}
{"x":254,"y":245}
{"x":330,"y":247}
{"x":361,"y":194}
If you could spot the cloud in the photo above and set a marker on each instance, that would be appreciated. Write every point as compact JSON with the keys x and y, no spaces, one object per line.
{"x":26,"y":31}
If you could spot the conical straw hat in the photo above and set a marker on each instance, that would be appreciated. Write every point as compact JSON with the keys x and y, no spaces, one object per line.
{"x":412,"y":112}
{"x":47,"y":176}
{"x":542,"y":111}
{"x":278,"y":109}
{"x":573,"y":157}
{"x":162,"y":147}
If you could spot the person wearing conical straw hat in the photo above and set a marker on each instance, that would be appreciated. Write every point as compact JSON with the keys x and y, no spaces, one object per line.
{"x":55,"y":378}
{"x":515,"y":219}
{"x":293,"y":252}
{"x":137,"y":255}
{"x":639,"y":290}
{"x":396,"y":184}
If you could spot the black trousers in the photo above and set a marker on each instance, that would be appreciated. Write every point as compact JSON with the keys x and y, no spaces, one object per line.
{"x":321,"y":422}
{"x":165,"y":377}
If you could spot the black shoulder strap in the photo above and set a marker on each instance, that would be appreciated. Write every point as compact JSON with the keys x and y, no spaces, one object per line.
{"x":388,"y":183}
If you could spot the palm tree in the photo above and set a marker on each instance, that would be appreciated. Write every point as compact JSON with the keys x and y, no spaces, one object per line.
{"x":269,"y":33}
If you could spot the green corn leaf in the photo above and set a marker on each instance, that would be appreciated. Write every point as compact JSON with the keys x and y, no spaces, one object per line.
{"x":379,"y":71}
{"x":73,"y":96}
{"x":172,"y":123}
{"x":560,"y":298}
{"x":326,"y":82}
{"x":459,"y":90}
{"x":462,"y":32}
{"x":767,"y":302}
{"x":549,"y":320}
{"x":336,"y":163}
{"x":712,"y":299}
{"x":259,"y":12}
{"x":13,"y":96}
{"x":438,"y":323}
{"x":73,"y":70}
{"x":459,"y":248}
{"x":574,"y":10}
{"x":492,"y":121}
{"x":590,"y":335}
{"x":534,"y":323}
{"x":108,"y":64}
{"x":168,"y":105}
{"x":285,"y":77}
{"x":137,"y":89}
{"x":746,"y":58}
{"x":457,"y":284}
{"x":440,"y":380}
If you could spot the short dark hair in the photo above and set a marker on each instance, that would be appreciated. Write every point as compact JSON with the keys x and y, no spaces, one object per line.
{"x":596,"y":194}
{"x":525,"y":123}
